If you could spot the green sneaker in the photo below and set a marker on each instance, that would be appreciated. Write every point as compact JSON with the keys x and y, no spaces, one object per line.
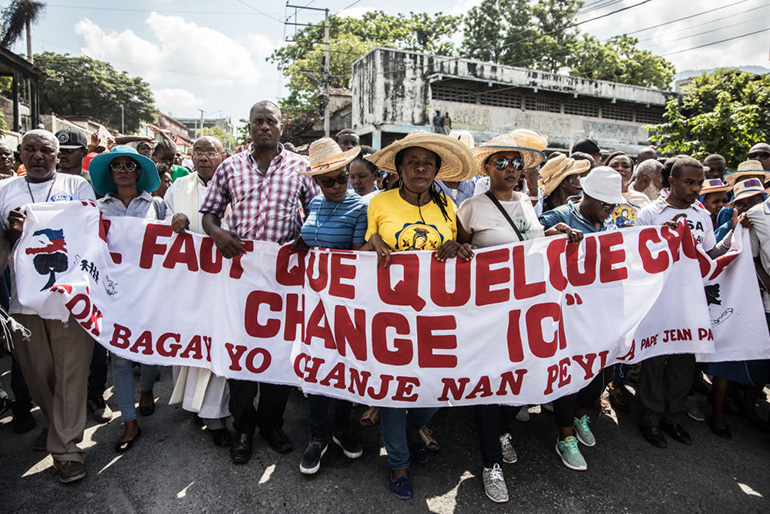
{"x":582,"y":431}
{"x":570,"y":454}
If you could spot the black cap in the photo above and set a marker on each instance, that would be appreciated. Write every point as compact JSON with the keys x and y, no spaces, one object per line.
{"x":72,"y":138}
{"x":588,"y":146}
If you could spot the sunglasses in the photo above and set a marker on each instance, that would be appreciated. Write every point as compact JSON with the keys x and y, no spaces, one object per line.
{"x":503,"y":163}
{"x":128,"y":166}
{"x":329,"y":182}
{"x":607,"y":207}
{"x":760,"y":155}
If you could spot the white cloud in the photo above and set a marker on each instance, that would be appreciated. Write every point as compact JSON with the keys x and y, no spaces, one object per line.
{"x":463,"y":6}
{"x":176,"y":100}
{"x":356,"y":12}
{"x":180,"y":51}
{"x":261,"y":45}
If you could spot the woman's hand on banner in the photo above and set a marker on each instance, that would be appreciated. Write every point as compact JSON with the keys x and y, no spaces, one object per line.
{"x":451,"y":249}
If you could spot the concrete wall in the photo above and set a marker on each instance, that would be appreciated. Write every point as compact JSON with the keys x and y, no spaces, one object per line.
{"x":392,"y":95}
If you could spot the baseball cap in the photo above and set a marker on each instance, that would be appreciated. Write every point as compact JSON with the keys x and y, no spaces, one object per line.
{"x":71,"y":138}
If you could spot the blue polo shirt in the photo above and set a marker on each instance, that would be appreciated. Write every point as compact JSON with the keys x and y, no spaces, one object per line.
{"x":570,"y":215}
{"x":336,"y":224}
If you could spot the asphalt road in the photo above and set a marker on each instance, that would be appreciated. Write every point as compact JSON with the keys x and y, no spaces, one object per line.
{"x":175,"y":467}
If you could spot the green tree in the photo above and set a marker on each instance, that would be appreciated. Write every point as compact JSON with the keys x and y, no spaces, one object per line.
{"x":521,"y":33}
{"x":730,"y":129}
{"x":218,"y":132}
{"x":619,"y":60}
{"x":87,"y":87}
{"x":17,"y":19}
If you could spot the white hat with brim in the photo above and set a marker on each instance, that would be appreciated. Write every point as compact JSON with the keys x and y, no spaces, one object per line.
{"x":714,"y":185}
{"x":747,"y":168}
{"x":326,"y":155}
{"x":748,"y":188}
{"x":604,"y":184}
{"x":525,"y":142}
{"x":557,"y":169}
{"x":456,"y":158}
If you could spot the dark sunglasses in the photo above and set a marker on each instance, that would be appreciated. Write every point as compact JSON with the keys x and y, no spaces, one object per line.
{"x":329,"y":182}
{"x":128,"y":166}
{"x":760,"y":155}
{"x":607,"y":207}
{"x":503,"y":162}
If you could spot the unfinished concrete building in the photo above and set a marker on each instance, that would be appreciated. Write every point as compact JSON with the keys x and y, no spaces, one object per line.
{"x":395,"y":92}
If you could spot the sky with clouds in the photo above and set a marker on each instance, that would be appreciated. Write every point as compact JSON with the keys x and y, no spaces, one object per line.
{"x":211,"y":55}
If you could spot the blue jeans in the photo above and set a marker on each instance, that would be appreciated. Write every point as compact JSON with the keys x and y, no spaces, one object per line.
{"x":396,"y":424}
{"x":123,"y":377}
{"x":318,"y":410}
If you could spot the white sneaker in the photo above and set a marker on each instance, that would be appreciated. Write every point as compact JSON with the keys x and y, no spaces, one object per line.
{"x":509,"y":452}
{"x":494,"y":484}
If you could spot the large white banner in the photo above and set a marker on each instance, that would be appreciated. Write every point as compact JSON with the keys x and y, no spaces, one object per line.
{"x":519,"y":324}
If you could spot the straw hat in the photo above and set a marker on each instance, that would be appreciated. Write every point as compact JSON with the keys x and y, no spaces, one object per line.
{"x":714,"y":185}
{"x":603,"y":184}
{"x":747,"y":188}
{"x":326,"y":155}
{"x":557,"y":169}
{"x":456,"y":158}
{"x":464,"y":137}
{"x":749,"y":167}
{"x":101,"y":176}
{"x":530,"y":146}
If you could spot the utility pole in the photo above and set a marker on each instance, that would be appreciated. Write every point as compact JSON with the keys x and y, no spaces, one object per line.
{"x":325,"y":80}
{"x":122,"y":121}
{"x":199,"y":135}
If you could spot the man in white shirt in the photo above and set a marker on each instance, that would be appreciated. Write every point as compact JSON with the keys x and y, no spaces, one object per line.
{"x":55,"y":358}
{"x":198,"y":389}
{"x":666,"y":379}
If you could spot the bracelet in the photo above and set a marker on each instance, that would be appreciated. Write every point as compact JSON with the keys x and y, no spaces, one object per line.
{"x":533,"y":198}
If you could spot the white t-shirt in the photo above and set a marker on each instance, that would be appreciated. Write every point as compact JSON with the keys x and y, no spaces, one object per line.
{"x":14,"y":192}
{"x":760,"y":240}
{"x":480,"y":217}
{"x":699,"y":219}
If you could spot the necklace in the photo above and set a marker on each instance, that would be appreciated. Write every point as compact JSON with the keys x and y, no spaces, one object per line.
{"x":48,"y":196}
{"x":330,"y":216}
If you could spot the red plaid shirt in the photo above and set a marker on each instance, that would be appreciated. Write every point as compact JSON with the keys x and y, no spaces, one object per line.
{"x":264,"y":206}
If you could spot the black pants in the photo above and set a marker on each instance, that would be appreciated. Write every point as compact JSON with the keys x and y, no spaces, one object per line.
{"x":97,"y":376}
{"x":491,"y":422}
{"x":22,"y":399}
{"x":269,"y":414}
{"x":564,"y":407}
{"x":663,"y":388}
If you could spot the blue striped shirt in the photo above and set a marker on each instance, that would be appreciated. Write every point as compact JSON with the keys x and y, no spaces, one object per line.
{"x":336,"y":224}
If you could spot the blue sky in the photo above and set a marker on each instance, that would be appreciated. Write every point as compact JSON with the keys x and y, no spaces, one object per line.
{"x":211,"y":55}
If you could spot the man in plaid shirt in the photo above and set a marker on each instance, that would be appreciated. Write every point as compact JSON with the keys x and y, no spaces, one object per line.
{"x":266,"y":196}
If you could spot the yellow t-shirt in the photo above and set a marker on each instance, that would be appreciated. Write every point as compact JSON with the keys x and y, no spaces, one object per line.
{"x":399,"y":224}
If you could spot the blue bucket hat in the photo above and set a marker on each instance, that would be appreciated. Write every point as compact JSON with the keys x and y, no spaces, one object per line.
{"x":101,"y":176}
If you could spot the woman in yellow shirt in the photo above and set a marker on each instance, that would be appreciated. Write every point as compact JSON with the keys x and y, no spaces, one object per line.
{"x":415,"y":216}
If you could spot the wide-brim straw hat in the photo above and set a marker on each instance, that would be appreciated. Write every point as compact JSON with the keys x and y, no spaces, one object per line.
{"x":557,"y":169}
{"x":326,"y":155}
{"x":456,"y":159}
{"x":715,"y":185}
{"x":603,"y":184}
{"x":101,"y":176}
{"x":748,"y":188}
{"x":750,"y":167}
{"x":528,"y":144}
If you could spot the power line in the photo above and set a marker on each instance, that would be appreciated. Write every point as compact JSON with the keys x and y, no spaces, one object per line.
{"x":348,"y":7}
{"x":721,"y":27}
{"x":710,"y":22}
{"x":160,"y":11}
{"x":260,"y":12}
{"x":692,"y":16}
{"x":716,"y":42}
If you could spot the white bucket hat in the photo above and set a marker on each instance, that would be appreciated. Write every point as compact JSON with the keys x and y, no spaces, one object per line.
{"x":604,"y":184}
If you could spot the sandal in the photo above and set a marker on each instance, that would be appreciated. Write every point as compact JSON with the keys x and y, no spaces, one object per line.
{"x":427,"y":436}
{"x":371,"y":417}
{"x":124,"y":446}
{"x":146,"y":408}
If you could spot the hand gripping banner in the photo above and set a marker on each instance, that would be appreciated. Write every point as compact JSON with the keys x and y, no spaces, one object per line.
{"x":519,"y":324}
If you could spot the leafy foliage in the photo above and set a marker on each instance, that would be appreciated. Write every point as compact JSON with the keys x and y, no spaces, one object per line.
{"x":521,"y":33}
{"x":216,"y":131}
{"x":724,"y":112}
{"x":15,"y":18}
{"x":87,"y":87}
{"x":619,"y":60}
